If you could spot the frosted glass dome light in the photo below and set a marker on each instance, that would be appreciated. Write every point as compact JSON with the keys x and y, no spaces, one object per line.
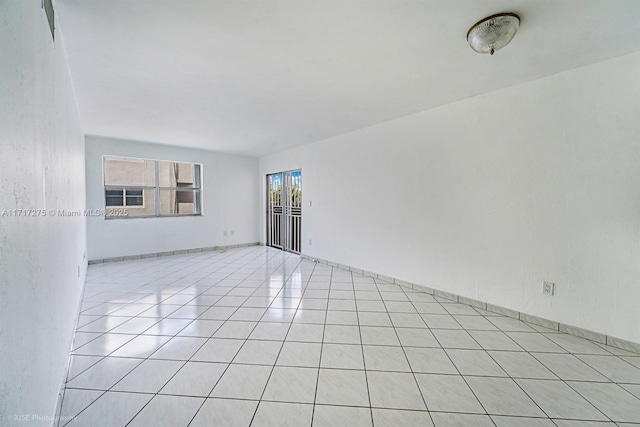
{"x":493,"y":33}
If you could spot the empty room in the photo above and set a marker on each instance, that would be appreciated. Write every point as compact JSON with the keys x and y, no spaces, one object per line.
{"x":302,"y":213}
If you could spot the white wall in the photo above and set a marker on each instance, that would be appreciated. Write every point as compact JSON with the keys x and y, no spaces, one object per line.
{"x":41,"y":167}
{"x":230,"y":202}
{"x":488,"y":197}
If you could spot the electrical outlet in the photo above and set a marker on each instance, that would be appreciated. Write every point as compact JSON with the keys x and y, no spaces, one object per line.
{"x":548,"y":288}
{"x":310,"y":242}
{"x":224,"y":233}
{"x":233,"y":232}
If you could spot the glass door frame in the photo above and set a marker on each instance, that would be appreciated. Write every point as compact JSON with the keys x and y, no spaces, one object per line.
{"x":284,"y":218}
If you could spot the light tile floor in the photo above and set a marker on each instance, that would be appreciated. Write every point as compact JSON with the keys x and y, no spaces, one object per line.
{"x":255,"y":336}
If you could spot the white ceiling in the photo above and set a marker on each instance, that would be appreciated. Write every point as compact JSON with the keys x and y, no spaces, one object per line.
{"x":258,"y":76}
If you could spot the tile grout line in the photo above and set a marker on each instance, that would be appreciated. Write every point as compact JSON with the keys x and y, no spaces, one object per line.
{"x":413,"y":374}
{"x":266,"y":384}
{"x":324,"y":329}
{"x":243,"y":275}
{"x":147,"y":358}
{"x":233,"y":358}
{"x":508,"y":375}
{"x":560,"y":327}
{"x":364,"y":359}
{"x":458,"y":370}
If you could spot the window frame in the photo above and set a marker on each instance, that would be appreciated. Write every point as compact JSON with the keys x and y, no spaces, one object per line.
{"x":196,"y":189}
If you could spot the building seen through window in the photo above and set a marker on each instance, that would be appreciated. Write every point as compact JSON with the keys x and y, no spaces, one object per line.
{"x":151,"y":187}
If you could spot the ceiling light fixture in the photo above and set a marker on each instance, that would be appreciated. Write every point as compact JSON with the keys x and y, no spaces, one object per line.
{"x":493,"y":33}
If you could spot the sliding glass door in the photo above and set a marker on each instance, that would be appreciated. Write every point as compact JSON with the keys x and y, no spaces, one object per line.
{"x":284,"y":210}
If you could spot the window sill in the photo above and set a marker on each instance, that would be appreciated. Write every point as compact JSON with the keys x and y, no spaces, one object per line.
{"x":151,"y":216}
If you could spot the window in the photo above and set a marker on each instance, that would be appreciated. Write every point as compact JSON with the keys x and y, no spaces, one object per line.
{"x":124,"y":197}
{"x":143,"y":188}
{"x":133,"y":197}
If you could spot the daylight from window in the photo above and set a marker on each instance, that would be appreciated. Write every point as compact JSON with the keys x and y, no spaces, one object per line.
{"x":147,"y":188}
